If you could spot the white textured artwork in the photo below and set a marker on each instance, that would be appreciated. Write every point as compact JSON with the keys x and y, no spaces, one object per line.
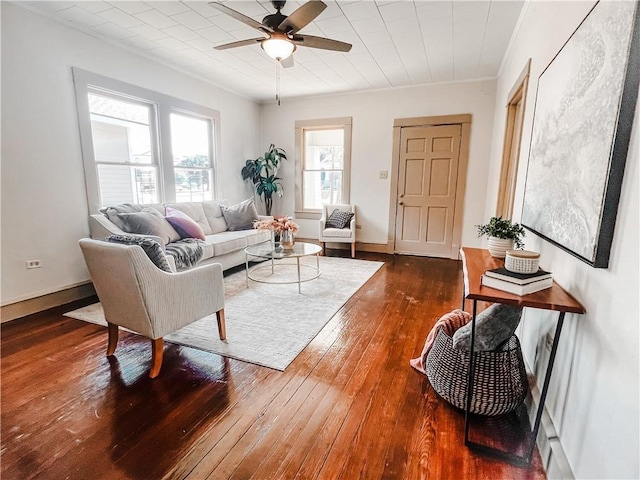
{"x":575,"y":121}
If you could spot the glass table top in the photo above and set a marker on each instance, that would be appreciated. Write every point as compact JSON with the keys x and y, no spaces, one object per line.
{"x":275,"y":250}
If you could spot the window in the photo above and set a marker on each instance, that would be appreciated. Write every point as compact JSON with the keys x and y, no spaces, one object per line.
{"x":140,"y":146}
{"x":323,"y":166}
{"x":121,"y":134}
{"x":190,"y":145}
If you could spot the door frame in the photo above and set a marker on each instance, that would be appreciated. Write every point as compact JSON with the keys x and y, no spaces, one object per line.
{"x":516,"y":100}
{"x":464,"y":120}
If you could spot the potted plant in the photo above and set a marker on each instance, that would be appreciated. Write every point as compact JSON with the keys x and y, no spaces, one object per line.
{"x":503,"y":234}
{"x":262,"y":172}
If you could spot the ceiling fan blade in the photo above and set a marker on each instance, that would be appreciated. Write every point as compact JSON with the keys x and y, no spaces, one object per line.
{"x":287,"y":62}
{"x":240,"y":17}
{"x":320,"y":42}
{"x":302,"y":16}
{"x":240,"y":43}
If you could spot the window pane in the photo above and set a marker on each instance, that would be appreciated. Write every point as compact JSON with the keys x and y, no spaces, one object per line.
{"x":190,"y":141}
{"x":321,"y":188}
{"x":324,"y":149}
{"x":122,"y":184}
{"x":193,"y":185}
{"x":120,"y":130}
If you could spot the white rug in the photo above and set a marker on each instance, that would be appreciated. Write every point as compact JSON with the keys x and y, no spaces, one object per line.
{"x":267,"y":324}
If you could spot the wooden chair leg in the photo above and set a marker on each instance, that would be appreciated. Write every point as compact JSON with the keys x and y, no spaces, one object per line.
{"x":157,"y":349}
{"x":113,"y":338}
{"x":353,"y":250}
{"x":222,"y":327}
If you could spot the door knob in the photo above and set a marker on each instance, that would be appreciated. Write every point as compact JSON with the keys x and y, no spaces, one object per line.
{"x":401,"y":195}
{"x":401,"y":203}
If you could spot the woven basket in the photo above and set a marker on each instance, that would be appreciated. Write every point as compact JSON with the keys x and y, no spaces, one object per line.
{"x":522,"y":261}
{"x":500,"y":379}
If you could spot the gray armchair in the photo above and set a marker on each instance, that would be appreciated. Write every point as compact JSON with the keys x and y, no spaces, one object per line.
{"x":137,"y":295}
{"x":338,"y":235}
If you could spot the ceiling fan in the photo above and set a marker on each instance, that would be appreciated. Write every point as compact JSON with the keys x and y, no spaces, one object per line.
{"x":280,"y":32}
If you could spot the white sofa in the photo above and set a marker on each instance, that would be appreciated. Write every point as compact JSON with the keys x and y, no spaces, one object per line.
{"x":220,"y":245}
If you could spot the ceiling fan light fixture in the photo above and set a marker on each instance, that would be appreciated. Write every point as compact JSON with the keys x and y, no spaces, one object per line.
{"x":278,"y":48}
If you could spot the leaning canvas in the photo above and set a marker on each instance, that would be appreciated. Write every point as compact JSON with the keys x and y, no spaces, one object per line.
{"x":582,"y":123}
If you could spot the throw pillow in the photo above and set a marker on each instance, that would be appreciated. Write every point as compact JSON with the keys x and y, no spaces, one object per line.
{"x":240,"y":216}
{"x":338,"y":219}
{"x":150,"y":247}
{"x":494,"y":326}
{"x":149,"y":222}
{"x":184,"y":224}
{"x":112,"y":212}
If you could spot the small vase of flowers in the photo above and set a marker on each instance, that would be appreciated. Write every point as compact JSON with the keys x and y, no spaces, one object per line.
{"x":282,"y":227}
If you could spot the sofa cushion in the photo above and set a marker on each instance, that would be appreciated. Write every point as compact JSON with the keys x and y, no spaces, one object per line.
{"x":240,"y":216}
{"x":195,"y":212}
{"x":227,"y":242}
{"x":257,"y":236}
{"x":151,"y":248}
{"x":213,"y":213}
{"x":184,"y":224}
{"x":149,"y":222}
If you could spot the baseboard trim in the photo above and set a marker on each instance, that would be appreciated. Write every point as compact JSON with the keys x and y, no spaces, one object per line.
{"x":362,"y":246}
{"x":45,"y":302}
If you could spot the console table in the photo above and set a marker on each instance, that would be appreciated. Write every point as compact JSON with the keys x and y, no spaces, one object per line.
{"x":475,"y":262}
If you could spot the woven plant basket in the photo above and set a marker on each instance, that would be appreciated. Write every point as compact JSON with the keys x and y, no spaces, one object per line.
{"x":500,"y":379}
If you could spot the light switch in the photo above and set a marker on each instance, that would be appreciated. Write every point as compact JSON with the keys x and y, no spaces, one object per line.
{"x":383,"y":174}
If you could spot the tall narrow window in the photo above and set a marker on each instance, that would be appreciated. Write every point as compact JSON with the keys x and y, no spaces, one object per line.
{"x":323,"y":166}
{"x":191,"y":144}
{"x":127,"y":167}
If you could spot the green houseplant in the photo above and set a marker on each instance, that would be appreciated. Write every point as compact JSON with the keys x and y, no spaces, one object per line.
{"x":503,"y":234}
{"x":262,"y":172}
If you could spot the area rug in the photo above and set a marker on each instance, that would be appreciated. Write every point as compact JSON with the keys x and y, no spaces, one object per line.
{"x":269,"y":324}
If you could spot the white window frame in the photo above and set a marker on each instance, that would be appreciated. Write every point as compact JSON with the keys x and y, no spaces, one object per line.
{"x":160,"y":127}
{"x":301,"y":126}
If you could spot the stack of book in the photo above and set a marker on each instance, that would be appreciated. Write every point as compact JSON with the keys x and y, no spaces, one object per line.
{"x":517,"y":283}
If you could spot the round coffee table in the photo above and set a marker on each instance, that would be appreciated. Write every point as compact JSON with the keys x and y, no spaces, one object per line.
{"x":273,"y":251}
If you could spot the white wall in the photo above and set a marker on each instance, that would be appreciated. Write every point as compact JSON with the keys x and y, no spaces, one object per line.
{"x":373,"y":114}
{"x":44,"y":207}
{"x":594,"y":395}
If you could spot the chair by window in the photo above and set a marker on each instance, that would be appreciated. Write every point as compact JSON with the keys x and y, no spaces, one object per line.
{"x":331,"y":232}
{"x":137,"y":295}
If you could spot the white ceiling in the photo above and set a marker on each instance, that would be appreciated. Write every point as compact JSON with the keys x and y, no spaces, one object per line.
{"x":396,"y":43}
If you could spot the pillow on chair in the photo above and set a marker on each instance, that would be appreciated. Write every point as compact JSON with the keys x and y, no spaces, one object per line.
{"x":150,"y":247}
{"x":338,"y":219}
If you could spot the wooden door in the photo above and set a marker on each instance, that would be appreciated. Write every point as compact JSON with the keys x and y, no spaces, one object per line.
{"x":427,"y":181}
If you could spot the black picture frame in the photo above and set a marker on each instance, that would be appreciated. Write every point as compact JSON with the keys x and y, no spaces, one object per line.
{"x":542,"y":211}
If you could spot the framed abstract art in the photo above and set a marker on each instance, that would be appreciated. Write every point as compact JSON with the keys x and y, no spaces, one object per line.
{"x":583,"y":117}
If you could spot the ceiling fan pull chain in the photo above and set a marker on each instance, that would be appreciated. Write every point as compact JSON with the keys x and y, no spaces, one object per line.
{"x":278,"y":82}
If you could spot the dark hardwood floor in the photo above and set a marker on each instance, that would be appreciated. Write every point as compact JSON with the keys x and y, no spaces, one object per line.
{"x":348,"y":407}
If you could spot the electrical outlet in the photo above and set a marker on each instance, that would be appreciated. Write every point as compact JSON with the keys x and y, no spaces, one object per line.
{"x":34,"y":264}
{"x":383,"y":174}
